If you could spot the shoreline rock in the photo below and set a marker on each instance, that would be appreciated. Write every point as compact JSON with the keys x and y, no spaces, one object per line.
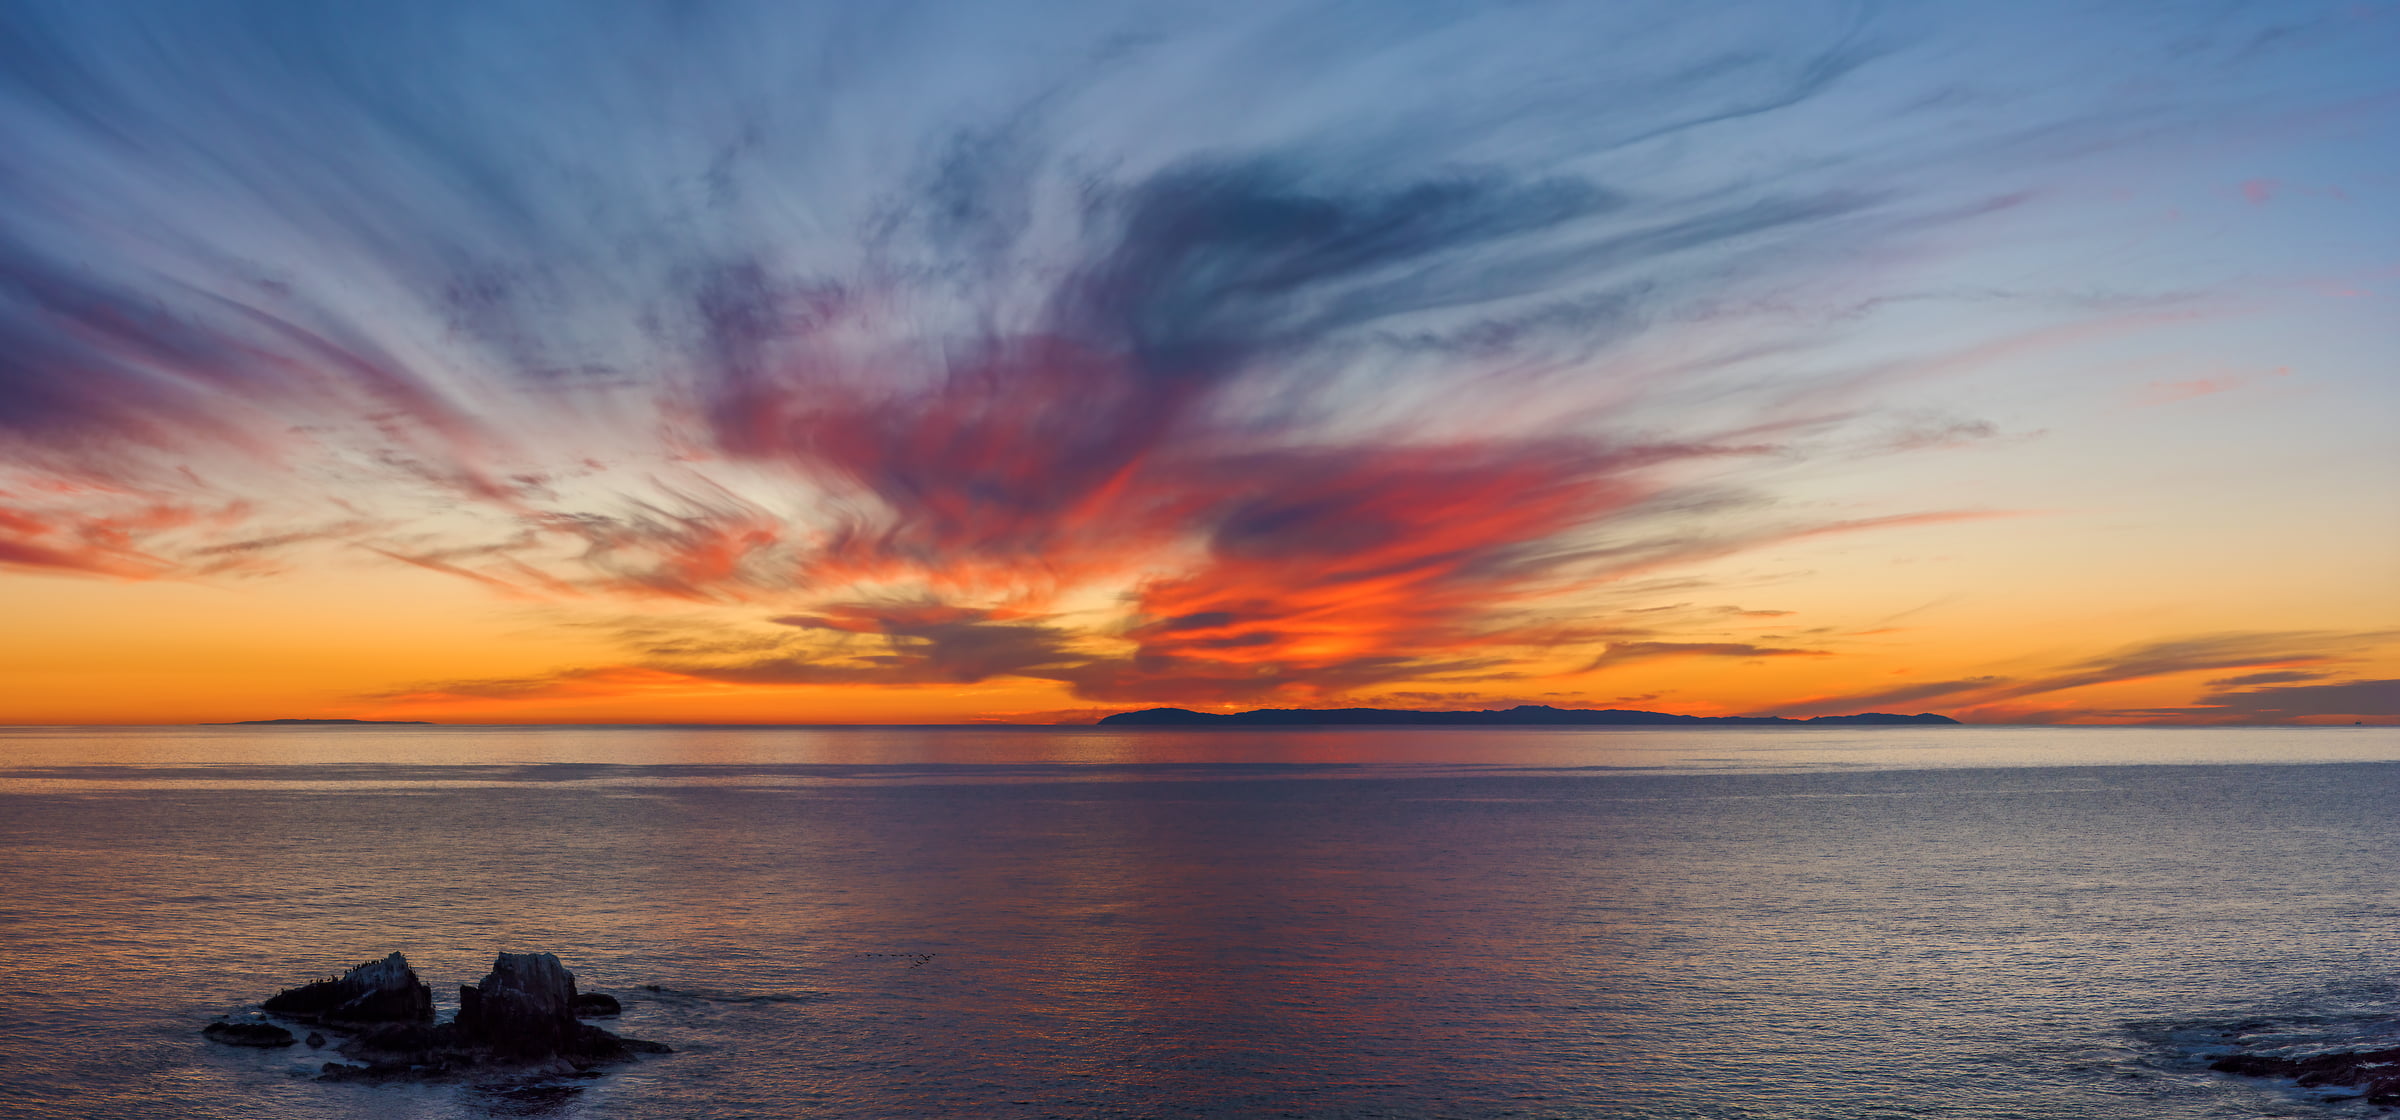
{"x":2375,"y":1073}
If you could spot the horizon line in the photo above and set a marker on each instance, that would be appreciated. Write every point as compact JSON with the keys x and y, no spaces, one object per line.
{"x":1002,"y":725}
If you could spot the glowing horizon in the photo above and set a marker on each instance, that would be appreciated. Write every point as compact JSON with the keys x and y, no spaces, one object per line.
{"x":687,"y":364}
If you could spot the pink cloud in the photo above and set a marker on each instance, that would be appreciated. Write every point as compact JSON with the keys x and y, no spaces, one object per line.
{"x":2169,"y":392}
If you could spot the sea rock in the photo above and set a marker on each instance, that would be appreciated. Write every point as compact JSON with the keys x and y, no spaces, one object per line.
{"x":596,"y":1005}
{"x":316,"y":1041}
{"x":521,"y":1014}
{"x":384,"y":991}
{"x":525,"y":1007}
{"x":2376,"y":1073}
{"x":519,"y":1021}
{"x":263,"y":1035}
{"x":423,"y":1049}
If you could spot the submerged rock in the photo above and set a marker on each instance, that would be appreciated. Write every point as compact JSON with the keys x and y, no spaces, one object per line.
{"x":264,"y":1035}
{"x":384,"y":991}
{"x":2376,"y":1073}
{"x":596,"y":1005}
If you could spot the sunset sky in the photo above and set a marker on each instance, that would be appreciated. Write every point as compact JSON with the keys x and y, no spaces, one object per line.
{"x":693,"y":362}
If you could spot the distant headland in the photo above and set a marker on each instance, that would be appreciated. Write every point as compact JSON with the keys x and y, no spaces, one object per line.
{"x":317,"y":722}
{"x":1523,"y":715}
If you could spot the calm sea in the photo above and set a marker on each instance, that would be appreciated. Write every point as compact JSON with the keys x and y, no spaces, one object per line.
{"x":1885,"y":922}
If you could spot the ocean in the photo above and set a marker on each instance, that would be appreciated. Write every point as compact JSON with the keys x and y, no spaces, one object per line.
{"x":1083,"y":922}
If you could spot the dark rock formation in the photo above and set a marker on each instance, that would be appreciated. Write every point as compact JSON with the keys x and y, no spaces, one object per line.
{"x":521,"y":1019}
{"x":248,"y":1034}
{"x":316,"y":1041}
{"x":1523,"y":715}
{"x":2376,"y":1073}
{"x":384,"y":991}
{"x":521,"y":1016}
{"x":411,"y":1049}
{"x":596,"y":1005}
{"x":525,"y":1007}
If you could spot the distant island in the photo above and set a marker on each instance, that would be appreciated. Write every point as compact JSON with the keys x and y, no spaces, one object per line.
{"x":319,"y":722}
{"x":1523,"y":715}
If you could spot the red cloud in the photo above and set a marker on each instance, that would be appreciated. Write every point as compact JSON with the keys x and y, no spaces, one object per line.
{"x":1039,"y":464}
{"x":1367,"y":565}
{"x":64,"y":526}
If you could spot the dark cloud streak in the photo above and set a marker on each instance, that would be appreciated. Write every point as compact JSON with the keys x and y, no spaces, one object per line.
{"x":2366,"y":698}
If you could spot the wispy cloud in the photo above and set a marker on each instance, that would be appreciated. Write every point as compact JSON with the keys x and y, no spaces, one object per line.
{"x":1904,"y":694}
{"x":1619,"y":653}
{"x":2003,"y":698}
{"x":2362,"y":699}
{"x":2199,"y":653}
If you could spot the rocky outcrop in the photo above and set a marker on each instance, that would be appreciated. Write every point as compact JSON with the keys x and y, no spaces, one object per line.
{"x":521,"y":1015}
{"x":525,"y":1008}
{"x":262,"y":1035}
{"x":521,"y":1019}
{"x":384,"y":991}
{"x":2375,"y":1073}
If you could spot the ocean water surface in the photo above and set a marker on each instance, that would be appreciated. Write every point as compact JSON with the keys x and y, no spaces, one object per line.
{"x":1078,"y":922}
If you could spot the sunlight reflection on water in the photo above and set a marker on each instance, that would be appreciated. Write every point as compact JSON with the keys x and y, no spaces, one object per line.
{"x":229,"y":757}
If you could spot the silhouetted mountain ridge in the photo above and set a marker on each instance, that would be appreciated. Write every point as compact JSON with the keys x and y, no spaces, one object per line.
{"x":1523,"y":715}
{"x":290,"y":722}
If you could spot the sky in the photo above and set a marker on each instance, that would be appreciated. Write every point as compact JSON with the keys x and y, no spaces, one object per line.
{"x":1026,"y":362}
